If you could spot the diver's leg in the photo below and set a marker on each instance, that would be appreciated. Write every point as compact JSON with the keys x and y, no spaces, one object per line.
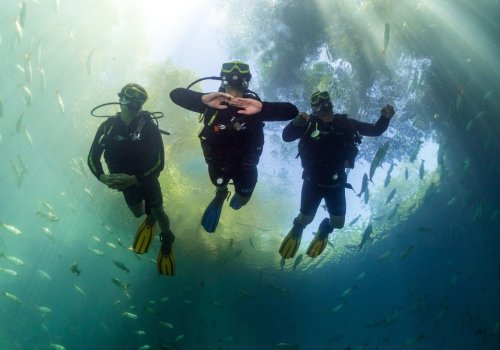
{"x":165,"y":260}
{"x":310,"y":198}
{"x":146,"y":229}
{"x":154,"y":200}
{"x":212,"y":213}
{"x":336,"y":205}
{"x":244,"y":185}
{"x":308,"y":207}
{"x":154,"y":204}
{"x":331,"y":196}
{"x":134,"y":199}
{"x":137,"y":209}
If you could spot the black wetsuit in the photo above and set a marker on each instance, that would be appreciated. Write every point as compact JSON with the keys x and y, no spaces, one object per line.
{"x":134,"y":149}
{"x":232,"y":143}
{"x":326,"y":150}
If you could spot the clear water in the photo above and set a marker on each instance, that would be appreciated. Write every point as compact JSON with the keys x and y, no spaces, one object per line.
{"x":429,"y":279}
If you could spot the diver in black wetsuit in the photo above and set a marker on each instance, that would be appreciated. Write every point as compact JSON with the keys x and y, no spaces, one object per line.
{"x":328,"y":145}
{"x":133,"y":151}
{"x":232,"y":137}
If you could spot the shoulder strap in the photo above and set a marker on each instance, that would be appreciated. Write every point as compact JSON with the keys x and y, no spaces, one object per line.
{"x":309,"y":124}
{"x":201,"y":117}
{"x":143,"y":117}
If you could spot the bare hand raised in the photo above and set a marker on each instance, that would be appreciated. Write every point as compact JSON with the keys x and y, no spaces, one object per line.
{"x":301,"y":119}
{"x":247,"y":106}
{"x":217,"y":100}
{"x":388,"y":111}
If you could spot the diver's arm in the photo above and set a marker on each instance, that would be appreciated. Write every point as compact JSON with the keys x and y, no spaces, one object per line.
{"x":367,"y":129}
{"x":377,"y":129}
{"x":278,"y":111}
{"x":296,"y":128}
{"x":188,"y":99}
{"x":95,"y":153}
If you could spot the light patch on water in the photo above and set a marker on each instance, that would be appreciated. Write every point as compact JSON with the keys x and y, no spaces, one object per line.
{"x":183,"y":31}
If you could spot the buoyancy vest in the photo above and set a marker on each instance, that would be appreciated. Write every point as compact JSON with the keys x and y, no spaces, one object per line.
{"x":124,"y":146}
{"x":328,"y":148}
{"x":231,"y":137}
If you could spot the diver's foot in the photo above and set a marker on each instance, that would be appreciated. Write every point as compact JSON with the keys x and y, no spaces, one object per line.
{"x":144,"y":236}
{"x":235,"y":202}
{"x":211,"y":216}
{"x":165,"y":261}
{"x":291,"y":243}
{"x":318,"y":244}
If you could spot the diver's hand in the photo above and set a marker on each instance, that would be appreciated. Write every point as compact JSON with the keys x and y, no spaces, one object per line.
{"x":106,"y":179}
{"x":118,"y":181}
{"x":301,"y":119}
{"x":247,"y":106}
{"x":387,"y":111}
{"x":217,"y":100}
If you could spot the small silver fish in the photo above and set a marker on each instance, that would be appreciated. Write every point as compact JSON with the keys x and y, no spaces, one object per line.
{"x":379,"y":157}
{"x":12,"y":297}
{"x":120,"y":284}
{"x":15,"y":260}
{"x":366,"y":235}
{"x":55,"y":346}
{"x":387,"y":36}
{"x":19,"y":30}
{"x":44,"y":309}
{"x":9,"y":272}
{"x":22,"y":14}
{"x":297,"y":261}
{"x":121,"y":265}
{"x":12,"y":229}
{"x":96,"y":252}
{"x":355,"y":220}
{"x":166,"y":325}
{"x":338,"y":307}
{"x":233,"y":256}
{"x":364,"y":185}
{"x":285,"y":346}
{"x":43,"y":80}
{"x":60,"y":103}
{"x":28,"y":97}
{"x":130,"y":315}
{"x":390,"y":196}
{"x":50,"y":216}
{"x":347,"y":292}
{"x":79,"y":290}
{"x":44,"y":275}
{"x":421,"y":170}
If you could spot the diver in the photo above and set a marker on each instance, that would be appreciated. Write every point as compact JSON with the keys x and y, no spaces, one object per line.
{"x":328,"y":146}
{"x":232,"y":137}
{"x":134,"y":154}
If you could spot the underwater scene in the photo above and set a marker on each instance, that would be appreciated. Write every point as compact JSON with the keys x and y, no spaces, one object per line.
{"x":417,"y":263}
